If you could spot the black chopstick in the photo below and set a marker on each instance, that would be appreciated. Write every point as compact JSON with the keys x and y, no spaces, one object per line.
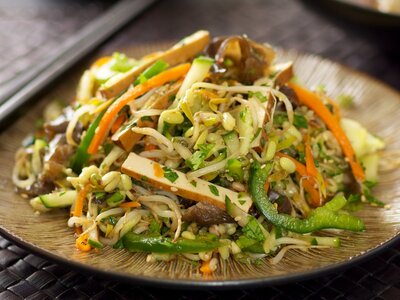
{"x":75,"y":48}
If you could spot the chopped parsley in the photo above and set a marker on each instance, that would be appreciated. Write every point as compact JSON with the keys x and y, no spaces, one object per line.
{"x":253,"y":231}
{"x":194,"y":183}
{"x":214,"y":189}
{"x":258,"y":95}
{"x":242,"y":114}
{"x":154,"y":227}
{"x":244,"y":242}
{"x":195,"y":161}
{"x":367,"y":186}
{"x":170,"y":175}
{"x":112,"y":220}
{"x":300,"y":121}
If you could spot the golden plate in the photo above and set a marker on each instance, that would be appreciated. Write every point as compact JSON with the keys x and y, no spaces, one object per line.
{"x":376,"y":106}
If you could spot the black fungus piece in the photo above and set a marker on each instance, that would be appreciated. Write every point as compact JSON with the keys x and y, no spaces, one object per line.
{"x":205,"y":214}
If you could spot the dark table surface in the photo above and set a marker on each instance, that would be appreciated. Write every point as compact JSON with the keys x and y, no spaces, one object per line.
{"x":31,"y":30}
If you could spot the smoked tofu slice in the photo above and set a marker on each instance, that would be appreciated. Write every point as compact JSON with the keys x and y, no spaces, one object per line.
{"x":197,"y":189}
{"x":179,"y":53}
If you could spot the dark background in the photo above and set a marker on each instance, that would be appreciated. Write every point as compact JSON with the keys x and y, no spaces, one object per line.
{"x":31,"y":30}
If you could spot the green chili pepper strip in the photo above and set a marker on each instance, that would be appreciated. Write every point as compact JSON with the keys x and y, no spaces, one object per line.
{"x":327,"y":216}
{"x":82,"y":156}
{"x":157,"y":244}
{"x":151,"y":71}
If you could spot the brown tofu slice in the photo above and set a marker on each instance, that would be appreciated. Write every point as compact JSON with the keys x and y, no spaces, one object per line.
{"x":126,"y":138}
{"x":179,"y":53}
{"x":197,"y":189}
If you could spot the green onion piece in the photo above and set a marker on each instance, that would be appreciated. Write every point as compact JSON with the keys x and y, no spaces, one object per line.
{"x":235,"y":169}
{"x":151,"y":71}
{"x":82,"y":156}
{"x":147,"y":243}
{"x":115,"y":199}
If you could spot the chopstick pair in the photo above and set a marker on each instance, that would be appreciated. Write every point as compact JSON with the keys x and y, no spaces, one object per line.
{"x":30,"y":83}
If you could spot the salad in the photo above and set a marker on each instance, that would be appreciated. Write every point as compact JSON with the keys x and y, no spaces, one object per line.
{"x":208,"y":150}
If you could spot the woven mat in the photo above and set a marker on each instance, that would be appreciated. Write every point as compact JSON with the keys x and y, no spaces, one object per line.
{"x":286,"y":23}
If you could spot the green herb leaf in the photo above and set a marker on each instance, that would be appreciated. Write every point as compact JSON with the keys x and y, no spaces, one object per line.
{"x":253,"y":231}
{"x":280,"y":118}
{"x":194,"y":183}
{"x":154,"y":227}
{"x":244,"y":242}
{"x":214,"y":190}
{"x":242,"y":114}
{"x":112,"y":220}
{"x":300,"y":121}
{"x":258,"y":95}
{"x":197,"y":159}
{"x":170,"y":175}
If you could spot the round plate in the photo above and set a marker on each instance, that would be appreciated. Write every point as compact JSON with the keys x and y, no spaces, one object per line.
{"x":49,"y":236}
{"x":363,"y":14}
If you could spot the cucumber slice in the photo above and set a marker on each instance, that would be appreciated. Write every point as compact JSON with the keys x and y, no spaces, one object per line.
{"x":198,"y":71}
{"x":235,"y":212}
{"x":231,"y":140}
{"x":59,"y":199}
{"x":95,"y":243}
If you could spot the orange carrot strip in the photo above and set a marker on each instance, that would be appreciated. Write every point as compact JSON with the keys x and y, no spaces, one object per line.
{"x":308,"y":181}
{"x":266,"y":186}
{"x":314,"y":102}
{"x":205,"y":268}
{"x":79,"y":201}
{"x":82,"y":243}
{"x":108,"y":118}
{"x":158,"y":171}
{"x":149,"y":147}
{"x":132,"y":204}
{"x":310,"y":164}
{"x":101,"y":61}
{"x":118,"y":122}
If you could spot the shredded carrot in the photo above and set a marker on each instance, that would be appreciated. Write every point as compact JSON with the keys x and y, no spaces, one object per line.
{"x":149,"y":147}
{"x":101,"y":61}
{"x":310,"y":164}
{"x":314,"y":102}
{"x":308,"y":181}
{"x":118,"y":122}
{"x":132,"y":204}
{"x":82,"y":243}
{"x":208,"y":94}
{"x":109,"y":117}
{"x":158,"y":171}
{"x":266,"y":186}
{"x":79,"y":201}
{"x":205,"y":268}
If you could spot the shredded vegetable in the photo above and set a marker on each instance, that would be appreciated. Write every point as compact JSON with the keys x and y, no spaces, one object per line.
{"x":205,"y":152}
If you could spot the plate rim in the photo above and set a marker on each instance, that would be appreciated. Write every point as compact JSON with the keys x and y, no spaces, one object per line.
{"x":198,"y":284}
{"x":216,"y":284}
{"x":367,"y":9}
